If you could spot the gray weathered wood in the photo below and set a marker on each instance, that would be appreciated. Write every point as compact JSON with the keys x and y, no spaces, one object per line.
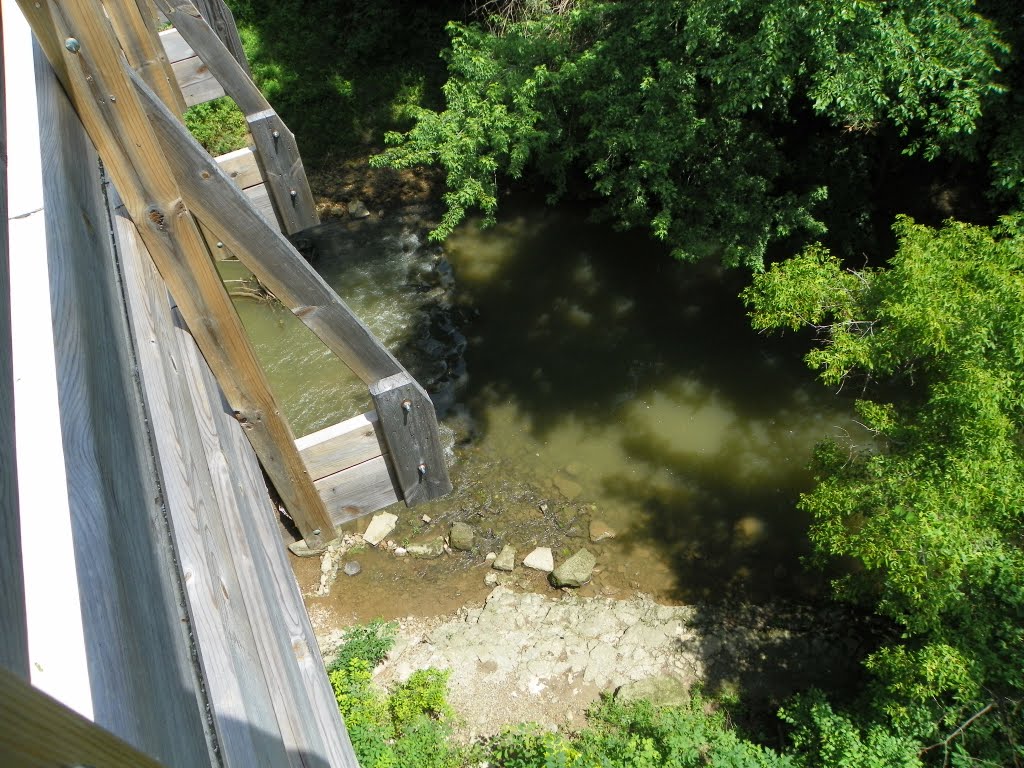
{"x":100,"y":86}
{"x":212,"y":197}
{"x":175,"y":46}
{"x":282,"y":168}
{"x":222,"y":21}
{"x":37,"y":731}
{"x":241,"y":167}
{"x":222,"y":207}
{"x":197,"y":84}
{"x":131,"y":609}
{"x":342,"y":445}
{"x":277,"y":151}
{"x":138,"y":38}
{"x":13,"y":634}
{"x":410,"y":431}
{"x":359,"y":490}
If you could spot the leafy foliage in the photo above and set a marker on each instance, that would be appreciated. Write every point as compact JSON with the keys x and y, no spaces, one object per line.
{"x":931,"y":509}
{"x":693,"y":118}
{"x":409,"y":727}
{"x":218,"y":125}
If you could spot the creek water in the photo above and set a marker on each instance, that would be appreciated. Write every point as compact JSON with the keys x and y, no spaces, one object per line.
{"x":582,"y":376}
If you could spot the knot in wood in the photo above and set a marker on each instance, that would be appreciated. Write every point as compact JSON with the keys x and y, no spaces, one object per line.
{"x":158,"y":218}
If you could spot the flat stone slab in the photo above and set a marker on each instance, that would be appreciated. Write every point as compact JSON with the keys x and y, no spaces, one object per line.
{"x":540,"y":559}
{"x":568,"y":488}
{"x":380,"y":526}
{"x":301,"y":549}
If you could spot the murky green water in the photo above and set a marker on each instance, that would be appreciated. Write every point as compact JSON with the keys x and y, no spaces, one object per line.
{"x":603,"y":382}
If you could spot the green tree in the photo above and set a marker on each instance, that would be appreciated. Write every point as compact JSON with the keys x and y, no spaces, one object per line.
{"x":930,"y":508}
{"x":697,"y":119}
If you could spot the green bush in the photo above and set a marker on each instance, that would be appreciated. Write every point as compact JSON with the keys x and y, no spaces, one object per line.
{"x":218,"y":125}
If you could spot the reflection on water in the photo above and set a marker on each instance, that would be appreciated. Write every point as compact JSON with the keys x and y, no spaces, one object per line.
{"x":605,"y":382}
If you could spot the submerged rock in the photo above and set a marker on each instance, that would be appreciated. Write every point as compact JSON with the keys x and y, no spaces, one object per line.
{"x":600,"y":530}
{"x":352,"y":568}
{"x":357,"y":210}
{"x":506,"y":559}
{"x":462,"y":536}
{"x":568,"y":488}
{"x":540,"y":559}
{"x":576,"y":571}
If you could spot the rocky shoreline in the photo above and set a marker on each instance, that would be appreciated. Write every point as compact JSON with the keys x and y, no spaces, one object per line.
{"x":526,"y":657}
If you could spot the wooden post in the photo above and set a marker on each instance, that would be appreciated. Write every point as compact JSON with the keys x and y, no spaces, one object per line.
{"x":277,"y":152}
{"x":106,"y":101}
{"x":145,"y":53}
{"x":13,"y":632}
{"x":224,"y":209}
{"x":222,"y":21}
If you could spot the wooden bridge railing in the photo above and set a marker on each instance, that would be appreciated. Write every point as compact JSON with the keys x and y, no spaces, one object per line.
{"x":129,"y":107}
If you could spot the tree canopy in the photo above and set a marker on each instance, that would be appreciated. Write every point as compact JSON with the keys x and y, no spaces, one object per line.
{"x":708,"y":122}
{"x":931,"y":507}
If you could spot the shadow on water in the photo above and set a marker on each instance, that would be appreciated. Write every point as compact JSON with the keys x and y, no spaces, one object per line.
{"x":707,"y":425}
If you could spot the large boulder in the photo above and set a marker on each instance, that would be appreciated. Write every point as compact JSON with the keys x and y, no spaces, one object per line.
{"x":462,"y":536}
{"x":574,"y":572}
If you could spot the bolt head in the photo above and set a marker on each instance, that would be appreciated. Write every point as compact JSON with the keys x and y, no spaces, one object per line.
{"x":72,"y":45}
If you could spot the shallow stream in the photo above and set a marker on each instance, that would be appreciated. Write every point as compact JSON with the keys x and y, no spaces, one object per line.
{"x":582,"y":376}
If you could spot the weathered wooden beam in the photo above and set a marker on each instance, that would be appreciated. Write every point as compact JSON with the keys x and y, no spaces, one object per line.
{"x":197,"y":83}
{"x":410,"y":431}
{"x":342,"y":445}
{"x":359,"y":490}
{"x":13,"y":629}
{"x":38,"y":732}
{"x":107,"y":103}
{"x":277,"y":152}
{"x":138,"y":37}
{"x":222,"y":21}
{"x":267,"y":254}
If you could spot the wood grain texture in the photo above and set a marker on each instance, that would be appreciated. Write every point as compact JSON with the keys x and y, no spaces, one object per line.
{"x":342,"y":445}
{"x":13,"y":632}
{"x":107,"y":103}
{"x":410,"y":431}
{"x":276,"y":150}
{"x":141,"y":45}
{"x":175,"y":46}
{"x":211,"y":195}
{"x":130,"y":607}
{"x":242,"y":595}
{"x":37,"y":731}
{"x":197,"y":83}
{"x":241,"y":167}
{"x":359,"y":490}
{"x":269,"y":255}
{"x":238,"y":696}
{"x":222,"y":21}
